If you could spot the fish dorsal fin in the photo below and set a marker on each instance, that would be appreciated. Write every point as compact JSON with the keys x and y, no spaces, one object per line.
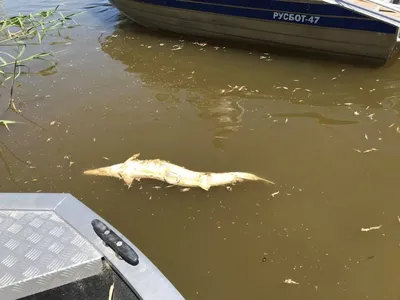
{"x":132,"y":158}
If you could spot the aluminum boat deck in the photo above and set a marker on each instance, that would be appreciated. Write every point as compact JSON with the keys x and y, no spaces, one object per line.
{"x":54,"y":247}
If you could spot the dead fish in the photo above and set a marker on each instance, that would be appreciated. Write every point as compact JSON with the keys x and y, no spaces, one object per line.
{"x":135,"y":169}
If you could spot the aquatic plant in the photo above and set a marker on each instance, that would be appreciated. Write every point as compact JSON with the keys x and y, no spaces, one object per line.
{"x":17,"y":32}
{"x":6,"y":122}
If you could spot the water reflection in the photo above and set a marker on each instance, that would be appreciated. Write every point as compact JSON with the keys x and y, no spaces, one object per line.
{"x":171,"y":74}
{"x":221,"y":83}
{"x":226,"y":112}
{"x":104,"y":12}
{"x":165,"y":60}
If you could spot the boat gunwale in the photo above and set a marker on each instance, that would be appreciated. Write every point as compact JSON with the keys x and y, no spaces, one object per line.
{"x":145,"y":278}
{"x":360,"y":17}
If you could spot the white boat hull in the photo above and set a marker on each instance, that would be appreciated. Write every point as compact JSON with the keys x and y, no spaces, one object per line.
{"x":376,"y":47}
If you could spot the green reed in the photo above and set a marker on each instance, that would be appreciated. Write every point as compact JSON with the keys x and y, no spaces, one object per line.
{"x":17,"y":33}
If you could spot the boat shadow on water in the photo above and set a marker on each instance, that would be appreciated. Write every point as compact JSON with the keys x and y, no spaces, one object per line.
{"x":169,"y":60}
{"x":285,"y":52}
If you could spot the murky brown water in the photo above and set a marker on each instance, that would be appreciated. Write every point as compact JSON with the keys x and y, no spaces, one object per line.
{"x":119,"y":90}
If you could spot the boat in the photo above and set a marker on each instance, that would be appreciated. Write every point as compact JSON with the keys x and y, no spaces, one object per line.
{"x":366,"y":30}
{"x":52,"y":246}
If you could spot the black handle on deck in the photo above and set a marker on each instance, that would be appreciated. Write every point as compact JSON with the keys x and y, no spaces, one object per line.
{"x":115,"y":242}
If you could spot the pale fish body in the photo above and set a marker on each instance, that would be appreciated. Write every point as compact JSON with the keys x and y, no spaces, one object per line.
{"x":135,"y":169}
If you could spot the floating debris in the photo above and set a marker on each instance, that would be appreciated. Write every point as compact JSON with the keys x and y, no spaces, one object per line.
{"x":370,"y":150}
{"x":110,"y":293}
{"x":52,"y":123}
{"x":274,"y":194}
{"x":176,"y":47}
{"x":290,"y":281}
{"x":200,"y":44}
{"x":6,"y":122}
{"x":233,"y":88}
{"x":135,"y":169}
{"x":371,"y":228}
{"x":365,"y":151}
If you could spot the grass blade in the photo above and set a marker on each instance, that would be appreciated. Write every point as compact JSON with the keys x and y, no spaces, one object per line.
{"x":7,"y":122}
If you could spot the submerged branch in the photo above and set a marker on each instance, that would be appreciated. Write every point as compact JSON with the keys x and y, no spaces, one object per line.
{"x":9,"y":171}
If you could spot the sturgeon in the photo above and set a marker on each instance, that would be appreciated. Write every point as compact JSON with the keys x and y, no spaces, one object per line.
{"x":134,"y":169}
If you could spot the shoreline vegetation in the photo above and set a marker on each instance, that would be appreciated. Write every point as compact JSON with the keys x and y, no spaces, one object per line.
{"x":17,"y":34}
{"x":21,"y":37}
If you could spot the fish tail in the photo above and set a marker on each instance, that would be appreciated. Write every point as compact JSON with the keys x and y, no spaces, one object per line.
{"x":249,"y":176}
{"x":106,"y":171}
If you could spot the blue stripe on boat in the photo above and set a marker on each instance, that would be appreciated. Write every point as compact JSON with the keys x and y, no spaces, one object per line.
{"x":329,"y":15}
{"x":287,"y":6}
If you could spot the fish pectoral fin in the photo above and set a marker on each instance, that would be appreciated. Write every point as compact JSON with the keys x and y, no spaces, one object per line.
{"x":127,"y":179}
{"x":203,"y":183}
{"x":205,"y":187}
